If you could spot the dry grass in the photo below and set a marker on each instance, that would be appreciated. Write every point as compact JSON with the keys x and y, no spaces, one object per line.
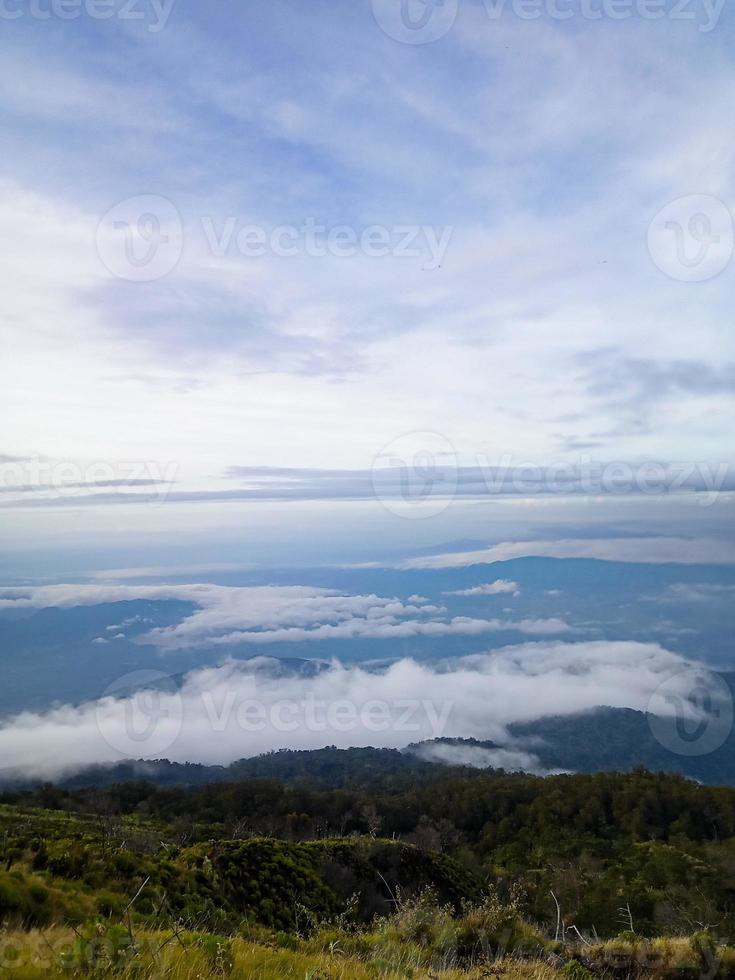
{"x":55,"y":953}
{"x":106,"y":952}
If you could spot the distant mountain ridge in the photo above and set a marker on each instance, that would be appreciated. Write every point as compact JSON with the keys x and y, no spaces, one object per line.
{"x":330,"y":767}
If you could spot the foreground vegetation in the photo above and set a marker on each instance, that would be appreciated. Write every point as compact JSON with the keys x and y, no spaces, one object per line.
{"x":659,"y":847}
{"x":59,"y":953}
{"x":420,"y":939}
{"x":620,"y":876}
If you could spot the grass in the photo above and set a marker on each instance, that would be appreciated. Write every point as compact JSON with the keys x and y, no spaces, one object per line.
{"x":419,"y":941}
{"x":58,"y":953}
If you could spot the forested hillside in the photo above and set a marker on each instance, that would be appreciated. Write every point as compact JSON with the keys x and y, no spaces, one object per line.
{"x":659,"y":846}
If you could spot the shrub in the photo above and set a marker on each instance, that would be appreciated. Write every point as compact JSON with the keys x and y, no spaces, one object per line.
{"x":706,"y":952}
{"x":482,"y":932}
{"x":574,"y":970}
{"x":108,"y":905}
{"x":10,"y":899}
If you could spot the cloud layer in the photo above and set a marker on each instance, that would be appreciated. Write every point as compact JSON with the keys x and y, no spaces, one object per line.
{"x":241,"y":709}
{"x":647,"y":550}
{"x":227,"y":615}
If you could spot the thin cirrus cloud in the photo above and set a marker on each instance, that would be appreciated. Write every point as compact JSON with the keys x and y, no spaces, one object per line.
{"x":228,"y":615}
{"x":445,"y":479}
{"x":706,"y":591}
{"x":60,"y":488}
{"x":211,"y":718}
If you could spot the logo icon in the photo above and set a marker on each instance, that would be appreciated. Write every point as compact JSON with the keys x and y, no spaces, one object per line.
{"x":692,"y":239}
{"x":691,"y":713}
{"x":140,"y":715}
{"x":415,"y":476}
{"x":141,"y":239}
{"x":415,"y":21}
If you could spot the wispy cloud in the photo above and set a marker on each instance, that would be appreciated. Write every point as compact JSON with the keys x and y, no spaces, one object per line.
{"x":498,"y":587}
{"x":545,"y":323}
{"x":479,"y":756}
{"x":434,"y":479}
{"x":655,"y":551}
{"x":700,"y":593}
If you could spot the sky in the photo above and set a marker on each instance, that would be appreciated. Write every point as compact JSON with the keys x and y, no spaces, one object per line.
{"x":270,"y":248}
{"x":321,"y":319}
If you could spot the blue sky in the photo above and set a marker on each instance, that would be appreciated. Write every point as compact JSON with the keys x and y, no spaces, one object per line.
{"x":550,"y":327}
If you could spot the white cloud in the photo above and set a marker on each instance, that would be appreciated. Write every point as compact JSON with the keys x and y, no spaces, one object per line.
{"x":648,"y":550}
{"x":636,"y":113}
{"x":242,"y":708}
{"x":699,"y":593}
{"x":498,"y":587}
{"x":226,"y":615}
{"x":479,"y":757}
